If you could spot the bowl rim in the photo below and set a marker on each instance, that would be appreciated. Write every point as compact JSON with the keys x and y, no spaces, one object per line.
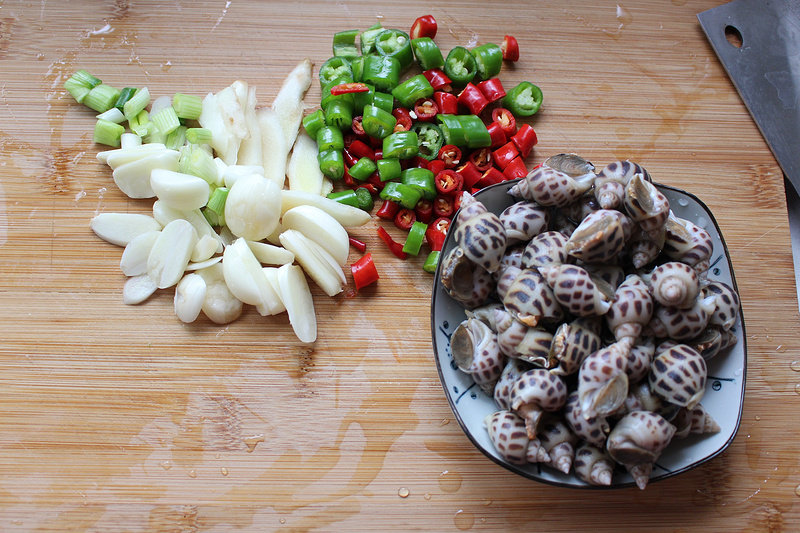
{"x":614,"y":486}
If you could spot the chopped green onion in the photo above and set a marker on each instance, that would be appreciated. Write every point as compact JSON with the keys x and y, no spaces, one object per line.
{"x":217,"y":220}
{"x":113,"y":115}
{"x":198,"y":135}
{"x":176,"y":139}
{"x":196,"y":161}
{"x":77,"y":90}
{"x":124,"y":95}
{"x":187,"y":106}
{"x":137,"y":102}
{"x":129,"y":140}
{"x":101,"y":98}
{"x":166,"y":120}
{"x":154,"y":135}
{"x":216,"y":202}
{"x":107,"y":132}
{"x":84,"y":78}
{"x":140,"y":124}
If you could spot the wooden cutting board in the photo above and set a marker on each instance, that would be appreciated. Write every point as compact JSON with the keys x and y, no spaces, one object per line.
{"x":121,"y":418}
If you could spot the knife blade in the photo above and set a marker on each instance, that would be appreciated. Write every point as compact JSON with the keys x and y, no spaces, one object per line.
{"x":758,"y":44}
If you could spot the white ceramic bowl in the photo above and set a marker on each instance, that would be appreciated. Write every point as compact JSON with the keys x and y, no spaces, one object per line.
{"x":724,"y":394}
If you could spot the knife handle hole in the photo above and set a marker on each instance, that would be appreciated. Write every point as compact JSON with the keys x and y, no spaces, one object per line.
{"x":734,"y":36}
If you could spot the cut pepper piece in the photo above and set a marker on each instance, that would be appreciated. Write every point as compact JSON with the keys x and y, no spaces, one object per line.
{"x":523,"y":100}
{"x":415,"y":238}
{"x":364,"y":272}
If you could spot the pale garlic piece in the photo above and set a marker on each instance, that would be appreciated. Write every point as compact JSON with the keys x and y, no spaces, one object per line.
{"x":190,"y":293}
{"x":219,"y":305}
{"x":170,"y":253}
{"x":121,"y":228}
{"x":134,"y":258}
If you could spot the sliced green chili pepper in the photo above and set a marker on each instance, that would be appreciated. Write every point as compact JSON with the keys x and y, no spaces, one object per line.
{"x":523,"y":100}
{"x":381,"y":71}
{"x":344,"y":44}
{"x":421,"y":179}
{"x":464,"y":130}
{"x":415,"y":237}
{"x":363,"y":169}
{"x":389,"y":169}
{"x":402,"y":194}
{"x":364,"y":199}
{"x":357,"y":67}
{"x":384,"y":101}
{"x":460,"y":65}
{"x":347,"y":197}
{"x":335,"y":68}
{"x":377,"y":122}
{"x":331,"y":163}
{"x":431,"y":262}
{"x":488,"y":60}
{"x":339,"y":113}
{"x":313,"y":122}
{"x":367,"y":38}
{"x":401,"y":144}
{"x":397,"y":44}
{"x":427,"y":53}
{"x":430,"y":139}
{"x":327,"y":97}
{"x":362,"y":99}
{"x":412,"y":89}
{"x":329,"y":138}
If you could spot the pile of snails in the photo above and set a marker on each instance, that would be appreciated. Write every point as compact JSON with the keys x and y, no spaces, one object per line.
{"x":590,"y":318}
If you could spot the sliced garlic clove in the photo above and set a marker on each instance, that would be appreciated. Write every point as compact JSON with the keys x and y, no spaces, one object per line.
{"x":134,"y":257}
{"x":206,"y":247}
{"x":321,"y":228}
{"x":203,"y":264}
{"x":299,"y":303}
{"x":165,"y":214}
{"x":171,"y":252}
{"x":288,"y":103}
{"x":234,"y":173}
{"x":138,"y":289}
{"x":120,"y":156}
{"x":219,"y":305}
{"x":316,"y":262}
{"x":250,"y":149}
{"x":271,"y":273}
{"x":253,"y":207}
{"x":347,"y":215}
{"x":133,"y":178}
{"x":303,"y":169}
{"x":273,"y":142}
{"x":178,"y":190}
{"x":121,"y":228}
{"x":268,"y":254}
{"x":190,"y":293}
{"x":246,"y":281}
{"x":129,"y":140}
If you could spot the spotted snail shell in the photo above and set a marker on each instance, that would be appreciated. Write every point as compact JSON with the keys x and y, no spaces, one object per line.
{"x":712,"y":341}
{"x":593,"y":465}
{"x":559,"y":443}
{"x":521,"y":341}
{"x":637,"y":441}
{"x":572,"y":343}
{"x":673,"y":284}
{"x":508,"y":435}
{"x":599,"y":237}
{"x":592,"y":429}
{"x":631,"y":308}
{"x":642,"y":398}
{"x":463,"y":280}
{"x":640,"y":357}
{"x":576,"y":291}
{"x":535,"y":392}
{"x":678,"y":375}
{"x":643,"y":248}
{"x":726,"y":308}
{"x":511,"y":257}
{"x":687,"y":242}
{"x":611,"y":275}
{"x":602,"y":381}
{"x":557,"y":187}
{"x":476,"y":352}
{"x":502,"y":389}
{"x":530,"y":300}
{"x":524,"y":220}
{"x":682,"y":324}
{"x":645,"y":204}
{"x":480,"y":233}
{"x":546,"y":249}
{"x":695,"y":421}
{"x":485,"y":313}
{"x":609,"y":186}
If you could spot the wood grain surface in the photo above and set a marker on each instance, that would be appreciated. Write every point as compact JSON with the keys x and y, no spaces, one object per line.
{"x":121,"y":418}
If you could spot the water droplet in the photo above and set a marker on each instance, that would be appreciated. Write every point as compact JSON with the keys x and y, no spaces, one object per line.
{"x":780,"y":348}
{"x":683,"y":202}
{"x":192,"y":474}
{"x":166,"y":465}
{"x":165,"y":66}
{"x":223,"y":471}
{"x":427,"y":496}
{"x":444,"y":422}
{"x":252,"y":442}
{"x":797,"y":490}
{"x":450,"y":481}
{"x":757,"y":418}
{"x":487,"y":502}
{"x":795,"y":365}
{"x":463,"y":520}
{"x":403,"y":492}
{"x":623,"y":16}
{"x":282,"y":520}
{"x":797,"y":388}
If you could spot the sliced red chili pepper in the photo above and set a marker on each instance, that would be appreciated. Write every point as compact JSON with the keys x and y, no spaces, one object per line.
{"x":438,"y":79}
{"x":349,"y":88}
{"x":470,"y":174}
{"x":349,"y":158}
{"x":364,"y":272}
{"x":358,"y":127}
{"x":451,"y":155}
{"x":426,"y":109}
{"x":444,"y":205}
{"x":473,"y":99}
{"x":510,"y":48}
{"x":435,"y":166}
{"x":525,"y":139}
{"x":424,"y":210}
{"x":496,"y":134}
{"x":376,"y":182}
{"x":403,"y":117}
{"x":506,"y":119}
{"x":447,"y":103}
{"x":370,"y":187}
{"x":436,"y":232}
{"x":515,"y":169}
{"x":405,"y":218}
{"x":481,"y":158}
{"x":387,"y":210}
{"x":448,"y":181}
{"x":490,"y":177}
{"x":395,"y":247}
{"x":347,"y":179}
{"x":376,"y":143}
{"x":361,"y":246}
{"x":424,"y":26}
{"x":492,"y":89}
{"x":348,"y":139}
{"x":504,"y":155}
{"x":360,"y":149}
